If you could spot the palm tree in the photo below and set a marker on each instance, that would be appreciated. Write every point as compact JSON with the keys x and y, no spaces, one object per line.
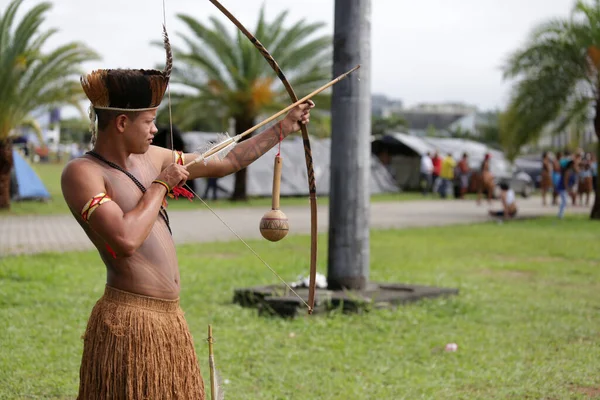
{"x":31,"y":80}
{"x":558,"y":80}
{"x":223,"y":76}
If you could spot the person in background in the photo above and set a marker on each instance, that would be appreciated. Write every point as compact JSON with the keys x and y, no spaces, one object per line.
{"x":509,"y":203}
{"x":447,"y":174}
{"x":585,"y":184}
{"x":426,"y":178}
{"x":556,"y":168}
{"x":594,"y":168}
{"x":574,"y":188}
{"x":437,"y":168}
{"x":565,"y":184}
{"x":463,"y":174}
{"x":486,"y":180}
{"x":546,"y":178}
{"x":212,"y":184}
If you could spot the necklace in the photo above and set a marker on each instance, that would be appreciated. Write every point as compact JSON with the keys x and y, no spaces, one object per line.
{"x":162,"y":212}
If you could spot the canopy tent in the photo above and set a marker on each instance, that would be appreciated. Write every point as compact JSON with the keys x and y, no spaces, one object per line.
{"x":25,"y":183}
{"x":402,"y":154}
{"x":293,"y":177}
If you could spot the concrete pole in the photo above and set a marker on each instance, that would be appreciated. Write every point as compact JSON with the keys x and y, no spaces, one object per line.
{"x":348,"y":264}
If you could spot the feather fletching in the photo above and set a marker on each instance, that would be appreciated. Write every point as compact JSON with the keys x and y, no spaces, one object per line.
{"x":169,"y":64}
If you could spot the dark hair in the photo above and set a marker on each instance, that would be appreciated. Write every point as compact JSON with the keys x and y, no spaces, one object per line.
{"x":504,"y":186}
{"x":563,"y":172}
{"x":106,"y":116}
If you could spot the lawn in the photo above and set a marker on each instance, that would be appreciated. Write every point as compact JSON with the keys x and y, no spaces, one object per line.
{"x":526,"y":320}
{"x":50,"y":173}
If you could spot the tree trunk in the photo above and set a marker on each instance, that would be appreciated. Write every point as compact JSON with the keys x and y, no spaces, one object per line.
{"x":242,"y":124}
{"x":348,"y":264}
{"x":6,"y":164}
{"x":595,"y":214}
{"x":596,"y":207}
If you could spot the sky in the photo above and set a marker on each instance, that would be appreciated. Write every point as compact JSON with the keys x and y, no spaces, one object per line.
{"x":422,"y":51}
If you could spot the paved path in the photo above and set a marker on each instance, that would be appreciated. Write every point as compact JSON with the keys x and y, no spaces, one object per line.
{"x":35,"y":234}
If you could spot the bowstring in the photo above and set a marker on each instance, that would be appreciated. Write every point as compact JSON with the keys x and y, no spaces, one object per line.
{"x":169,"y":91}
{"x":206,"y":204}
{"x":248,"y":246}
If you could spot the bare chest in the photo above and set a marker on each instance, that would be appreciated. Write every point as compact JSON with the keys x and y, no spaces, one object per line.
{"x":127,"y":189}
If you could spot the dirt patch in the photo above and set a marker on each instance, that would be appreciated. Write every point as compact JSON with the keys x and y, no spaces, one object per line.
{"x":589,"y":392}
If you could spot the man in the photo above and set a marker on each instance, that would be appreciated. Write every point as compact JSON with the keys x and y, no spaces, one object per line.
{"x":556,"y":172}
{"x":426,"y":173}
{"x":437,"y":168}
{"x":212,"y":184}
{"x":509,"y":204}
{"x":463,"y":171}
{"x":485,"y":179}
{"x":447,"y":174}
{"x":565,"y":185}
{"x":137,"y":343}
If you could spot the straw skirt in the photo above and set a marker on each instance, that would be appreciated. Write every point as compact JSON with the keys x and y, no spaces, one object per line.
{"x":138,"y":347}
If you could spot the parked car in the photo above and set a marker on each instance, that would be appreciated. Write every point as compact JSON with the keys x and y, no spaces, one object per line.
{"x":533,"y":167}
{"x":519,"y":181}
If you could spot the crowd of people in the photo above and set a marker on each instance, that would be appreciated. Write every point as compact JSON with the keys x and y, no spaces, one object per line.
{"x":439,"y":174}
{"x":563,"y":175}
{"x":568,"y":175}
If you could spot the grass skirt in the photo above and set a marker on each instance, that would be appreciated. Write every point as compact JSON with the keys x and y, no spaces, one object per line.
{"x":586,"y":185}
{"x":138,"y":347}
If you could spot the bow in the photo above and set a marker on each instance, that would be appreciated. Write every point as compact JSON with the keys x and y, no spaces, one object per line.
{"x":312,"y":187}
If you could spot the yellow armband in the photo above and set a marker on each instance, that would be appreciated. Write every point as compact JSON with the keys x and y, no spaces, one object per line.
{"x":93,"y":204}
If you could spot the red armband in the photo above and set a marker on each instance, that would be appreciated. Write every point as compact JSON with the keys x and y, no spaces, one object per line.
{"x":179,"y":158}
{"x":93,"y":204}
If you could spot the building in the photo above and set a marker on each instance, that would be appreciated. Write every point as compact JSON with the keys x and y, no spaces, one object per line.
{"x":382,"y":106}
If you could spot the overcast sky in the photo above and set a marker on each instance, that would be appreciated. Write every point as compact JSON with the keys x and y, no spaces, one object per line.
{"x":422,"y":51}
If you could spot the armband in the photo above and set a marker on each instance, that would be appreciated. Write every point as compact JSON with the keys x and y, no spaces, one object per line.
{"x":179,"y":158}
{"x":93,"y":204}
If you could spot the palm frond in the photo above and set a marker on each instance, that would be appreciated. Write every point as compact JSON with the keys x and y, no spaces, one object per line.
{"x":556,"y":78}
{"x":219,"y":75}
{"x":220,"y":48}
{"x":31,"y":79}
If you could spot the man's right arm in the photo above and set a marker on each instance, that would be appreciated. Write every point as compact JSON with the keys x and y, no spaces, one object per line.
{"x":123,"y":232}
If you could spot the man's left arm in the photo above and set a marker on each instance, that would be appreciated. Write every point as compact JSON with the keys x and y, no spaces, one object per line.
{"x":246,"y":151}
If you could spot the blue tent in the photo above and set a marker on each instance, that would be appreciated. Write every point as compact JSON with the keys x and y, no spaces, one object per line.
{"x":25,"y":184}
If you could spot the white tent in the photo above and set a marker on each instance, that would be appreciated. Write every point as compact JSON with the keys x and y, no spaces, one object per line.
{"x":294,"y":178}
{"x":405,"y":153}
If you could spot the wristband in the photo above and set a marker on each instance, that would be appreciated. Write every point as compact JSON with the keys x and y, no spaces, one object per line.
{"x":162,"y":183}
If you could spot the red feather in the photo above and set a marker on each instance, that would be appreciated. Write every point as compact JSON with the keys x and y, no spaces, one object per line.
{"x":179,"y":191}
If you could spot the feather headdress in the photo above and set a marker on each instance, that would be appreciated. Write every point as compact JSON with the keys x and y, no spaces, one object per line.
{"x":127,"y":89}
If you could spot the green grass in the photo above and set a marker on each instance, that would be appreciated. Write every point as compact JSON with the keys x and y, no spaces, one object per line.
{"x":526,"y":320}
{"x":50,"y":173}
